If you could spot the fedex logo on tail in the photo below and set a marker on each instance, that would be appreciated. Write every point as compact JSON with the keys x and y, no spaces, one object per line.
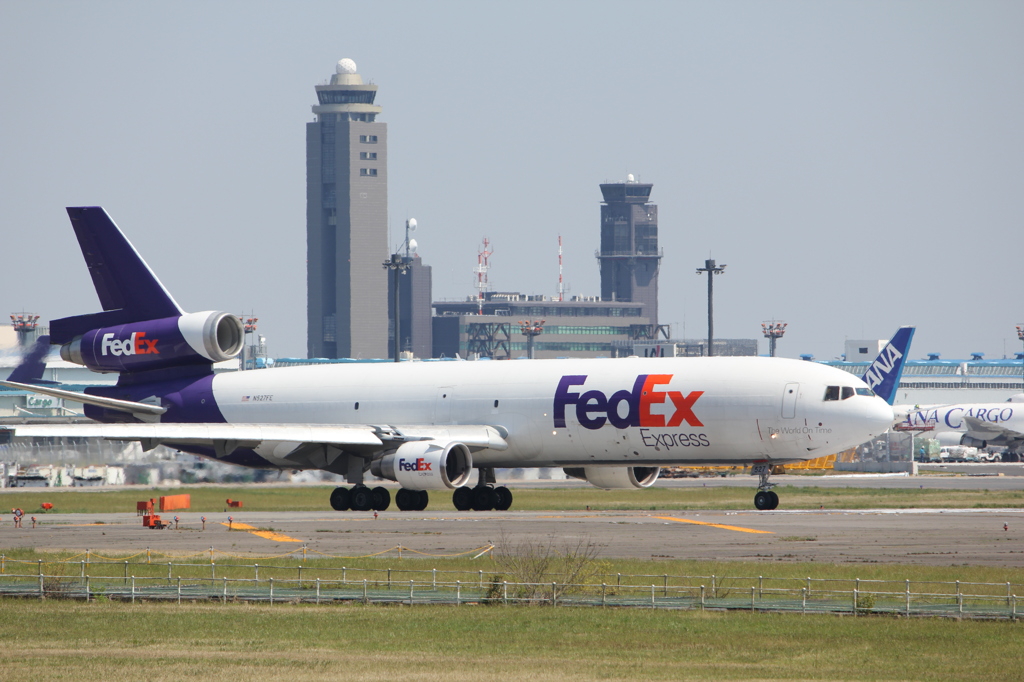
{"x":594,"y":409}
{"x":136,"y":344}
{"x":418,"y":464}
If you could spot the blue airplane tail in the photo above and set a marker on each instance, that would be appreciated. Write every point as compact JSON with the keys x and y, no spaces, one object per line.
{"x":127,"y":288}
{"x":883,"y":376}
{"x":33,"y":364}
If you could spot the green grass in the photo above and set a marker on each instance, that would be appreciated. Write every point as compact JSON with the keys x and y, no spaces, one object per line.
{"x":115,"y":641}
{"x":286,"y":498}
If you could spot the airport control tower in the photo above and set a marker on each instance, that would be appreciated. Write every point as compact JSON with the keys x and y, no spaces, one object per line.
{"x":346,"y":221}
{"x":629,"y":254}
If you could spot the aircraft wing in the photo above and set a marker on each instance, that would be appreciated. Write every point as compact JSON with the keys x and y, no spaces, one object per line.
{"x":225,"y":438}
{"x":984,"y":430}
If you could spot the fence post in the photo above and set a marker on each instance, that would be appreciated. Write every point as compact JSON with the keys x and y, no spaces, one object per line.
{"x":399,"y":552}
{"x":1007,"y":592}
{"x":41,"y":593}
{"x":618,"y":580}
{"x":481,"y":578}
{"x":300,"y":576}
{"x":225,"y":597}
{"x":714,"y":587}
{"x":855,"y":599}
{"x":752,"y":593}
{"x":133,"y":587}
{"x":803,"y":604}
{"x":701,"y":597}
{"x":652,"y":595}
{"x":271,"y":591}
{"x":908,"y":599}
{"x":179,"y":590}
{"x":344,"y":575}
{"x":3,"y":562}
{"x":41,"y":566}
{"x":760,"y":587}
{"x":410,"y":592}
{"x":604,"y":594}
{"x":959,"y":605}
{"x":168,"y":571}
{"x":389,"y":579}
{"x":149,"y":557}
{"x":504,"y":592}
{"x":365,"y":600}
{"x":808,"y":585}
{"x":1013,"y":608}
{"x":433,"y":573}
{"x":458,"y":593}
{"x":83,"y":568}
{"x":87,"y":590}
{"x":257,"y":566}
{"x":87,"y":557}
{"x":553,"y":594}
{"x":318,"y":590}
{"x":665,"y":578}
{"x":303,"y":553}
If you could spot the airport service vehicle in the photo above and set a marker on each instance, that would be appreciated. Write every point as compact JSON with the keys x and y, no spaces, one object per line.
{"x":427,"y":425}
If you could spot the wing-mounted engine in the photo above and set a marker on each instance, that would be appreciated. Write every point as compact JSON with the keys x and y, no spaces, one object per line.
{"x":190,"y":339}
{"x":616,"y":477}
{"x":426,"y":465}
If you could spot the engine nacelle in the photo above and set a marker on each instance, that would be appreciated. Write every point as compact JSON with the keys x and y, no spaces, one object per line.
{"x":194,"y":338}
{"x":426,"y":465}
{"x":610,"y":478}
{"x":973,"y":442}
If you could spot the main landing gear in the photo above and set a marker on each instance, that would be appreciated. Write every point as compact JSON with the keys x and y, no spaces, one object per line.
{"x":412,"y":500}
{"x":765,"y":499}
{"x":485,"y":496}
{"x":361,"y":498}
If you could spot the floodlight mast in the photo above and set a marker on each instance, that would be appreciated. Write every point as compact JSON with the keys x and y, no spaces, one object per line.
{"x":773,"y":331}
{"x":398,"y":264}
{"x":712,"y":270}
{"x":1020,"y":335}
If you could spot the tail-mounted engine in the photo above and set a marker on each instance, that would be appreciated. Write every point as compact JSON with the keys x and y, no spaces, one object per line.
{"x":426,"y":465}
{"x":616,"y":477}
{"x":190,"y":339}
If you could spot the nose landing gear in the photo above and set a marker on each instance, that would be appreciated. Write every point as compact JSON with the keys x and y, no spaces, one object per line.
{"x":765,"y":499}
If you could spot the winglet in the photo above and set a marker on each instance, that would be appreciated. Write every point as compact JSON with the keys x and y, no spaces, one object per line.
{"x":883,"y":376}
{"x":33,"y":364}
{"x":127,"y":288}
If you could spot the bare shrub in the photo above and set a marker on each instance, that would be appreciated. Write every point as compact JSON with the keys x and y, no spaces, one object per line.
{"x":532,"y":565}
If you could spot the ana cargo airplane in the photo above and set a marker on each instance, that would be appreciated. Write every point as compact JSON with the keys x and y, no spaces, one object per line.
{"x":428,"y":425}
{"x":978,"y":425}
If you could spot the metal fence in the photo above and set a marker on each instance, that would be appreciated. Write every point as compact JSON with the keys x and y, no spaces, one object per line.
{"x":131,"y":581}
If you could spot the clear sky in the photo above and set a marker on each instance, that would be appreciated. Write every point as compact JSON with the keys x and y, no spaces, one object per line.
{"x":857,"y":165}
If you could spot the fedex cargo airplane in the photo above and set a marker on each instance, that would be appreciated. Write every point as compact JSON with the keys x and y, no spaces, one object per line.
{"x":427,"y":425}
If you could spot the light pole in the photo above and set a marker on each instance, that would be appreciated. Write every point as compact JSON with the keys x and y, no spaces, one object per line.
{"x":712,"y":270}
{"x":773,"y":331}
{"x":397,"y":264}
{"x":1020,"y":335}
{"x":24,"y":324}
{"x":249,"y":326}
{"x":531,"y":330}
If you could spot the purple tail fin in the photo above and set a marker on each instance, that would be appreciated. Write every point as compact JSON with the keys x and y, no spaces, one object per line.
{"x":127,"y":288}
{"x":33,"y":364}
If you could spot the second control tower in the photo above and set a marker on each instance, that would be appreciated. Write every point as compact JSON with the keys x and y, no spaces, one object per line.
{"x":629,"y":254}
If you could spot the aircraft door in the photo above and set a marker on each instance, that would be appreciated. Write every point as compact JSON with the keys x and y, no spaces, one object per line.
{"x":789,"y":397}
{"x":443,"y":405}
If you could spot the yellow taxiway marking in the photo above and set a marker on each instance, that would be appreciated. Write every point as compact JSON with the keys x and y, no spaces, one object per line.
{"x":741,"y":529}
{"x":268,"y":534}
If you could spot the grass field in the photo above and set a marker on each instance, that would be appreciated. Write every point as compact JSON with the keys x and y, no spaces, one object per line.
{"x":286,"y":498}
{"x":113,"y":641}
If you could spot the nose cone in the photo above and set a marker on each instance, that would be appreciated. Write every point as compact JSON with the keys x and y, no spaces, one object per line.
{"x":879,"y":415}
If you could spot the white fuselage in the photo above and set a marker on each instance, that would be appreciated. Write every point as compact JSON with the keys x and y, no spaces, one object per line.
{"x":695,"y":410}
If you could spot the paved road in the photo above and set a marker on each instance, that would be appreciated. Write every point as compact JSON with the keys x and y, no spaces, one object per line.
{"x":933,"y":537}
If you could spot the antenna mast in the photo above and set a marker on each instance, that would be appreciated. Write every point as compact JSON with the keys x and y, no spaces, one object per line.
{"x":482,"y":266}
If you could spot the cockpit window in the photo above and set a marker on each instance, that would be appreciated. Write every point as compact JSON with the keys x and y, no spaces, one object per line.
{"x":847,"y":392}
{"x":832,"y":393}
{"x":865,"y":391}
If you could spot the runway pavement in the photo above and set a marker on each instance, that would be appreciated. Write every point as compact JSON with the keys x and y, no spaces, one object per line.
{"x":932,"y":537}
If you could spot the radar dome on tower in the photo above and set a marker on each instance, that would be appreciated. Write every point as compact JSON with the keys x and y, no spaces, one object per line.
{"x":346,"y":66}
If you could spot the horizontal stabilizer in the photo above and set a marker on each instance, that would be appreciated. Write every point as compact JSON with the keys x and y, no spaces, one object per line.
{"x":32,"y":366}
{"x":73,"y":396}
